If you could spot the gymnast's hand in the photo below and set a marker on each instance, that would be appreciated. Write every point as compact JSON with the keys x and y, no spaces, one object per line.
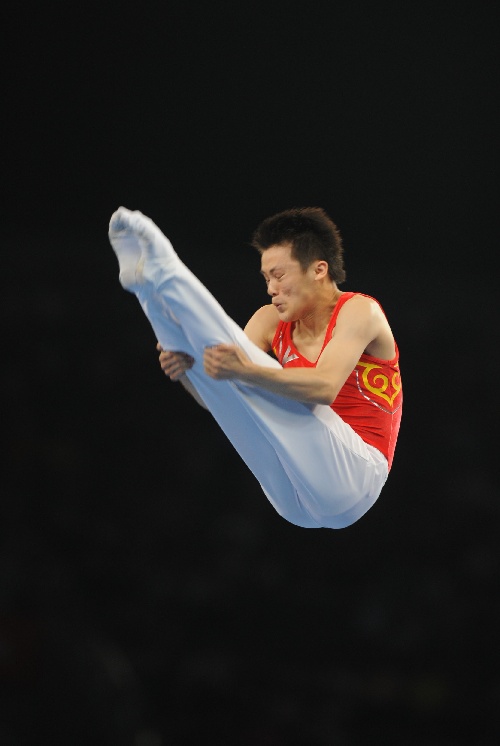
{"x":225,"y":361}
{"x":174,"y":364}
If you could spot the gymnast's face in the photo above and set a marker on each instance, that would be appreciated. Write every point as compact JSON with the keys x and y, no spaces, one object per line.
{"x":294,"y":292}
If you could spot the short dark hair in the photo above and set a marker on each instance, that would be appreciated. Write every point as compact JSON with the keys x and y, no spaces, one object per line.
{"x":312,"y":234}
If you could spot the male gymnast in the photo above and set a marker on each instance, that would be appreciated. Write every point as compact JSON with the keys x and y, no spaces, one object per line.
{"x":309,"y":393}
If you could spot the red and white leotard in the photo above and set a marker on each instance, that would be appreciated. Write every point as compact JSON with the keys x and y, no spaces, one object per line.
{"x":371,"y":399}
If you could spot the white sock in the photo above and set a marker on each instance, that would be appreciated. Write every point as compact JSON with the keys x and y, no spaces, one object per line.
{"x":141,"y":248}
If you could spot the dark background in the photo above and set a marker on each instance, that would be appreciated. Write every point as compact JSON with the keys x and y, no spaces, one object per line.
{"x":149,"y":594}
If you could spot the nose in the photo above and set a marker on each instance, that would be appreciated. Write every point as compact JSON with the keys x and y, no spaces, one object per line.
{"x":271,"y":290}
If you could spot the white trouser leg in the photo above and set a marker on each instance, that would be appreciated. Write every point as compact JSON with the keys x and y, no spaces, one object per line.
{"x":314,"y":469}
{"x":225,"y":403}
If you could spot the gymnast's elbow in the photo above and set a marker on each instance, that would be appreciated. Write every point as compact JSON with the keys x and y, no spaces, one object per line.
{"x":326,"y":393}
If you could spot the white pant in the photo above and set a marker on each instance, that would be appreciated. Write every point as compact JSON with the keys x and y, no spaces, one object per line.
{"x":312,"y":466}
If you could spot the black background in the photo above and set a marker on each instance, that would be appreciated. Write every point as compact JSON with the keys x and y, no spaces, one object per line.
{"x":149,"y":594}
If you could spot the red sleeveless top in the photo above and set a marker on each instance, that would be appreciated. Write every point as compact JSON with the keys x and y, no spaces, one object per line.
{"x":371,"y":399}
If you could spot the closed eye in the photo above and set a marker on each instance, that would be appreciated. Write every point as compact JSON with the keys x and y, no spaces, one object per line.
{"x":273,"y":275}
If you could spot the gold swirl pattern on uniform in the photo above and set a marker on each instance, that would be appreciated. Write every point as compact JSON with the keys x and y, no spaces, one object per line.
{"x":378,"y":383}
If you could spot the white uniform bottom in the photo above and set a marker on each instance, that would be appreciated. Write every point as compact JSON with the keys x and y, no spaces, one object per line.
{"x":313,"y":468}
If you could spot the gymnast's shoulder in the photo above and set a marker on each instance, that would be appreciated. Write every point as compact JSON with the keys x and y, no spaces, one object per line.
{"x":261,"y":327}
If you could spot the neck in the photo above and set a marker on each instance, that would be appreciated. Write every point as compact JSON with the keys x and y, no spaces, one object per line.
{"x":315,"y":322}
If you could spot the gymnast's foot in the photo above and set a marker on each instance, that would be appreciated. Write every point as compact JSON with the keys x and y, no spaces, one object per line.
{"x":140,"y":246}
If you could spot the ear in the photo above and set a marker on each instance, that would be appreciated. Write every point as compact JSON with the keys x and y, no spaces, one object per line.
{"x":320,"y":269}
